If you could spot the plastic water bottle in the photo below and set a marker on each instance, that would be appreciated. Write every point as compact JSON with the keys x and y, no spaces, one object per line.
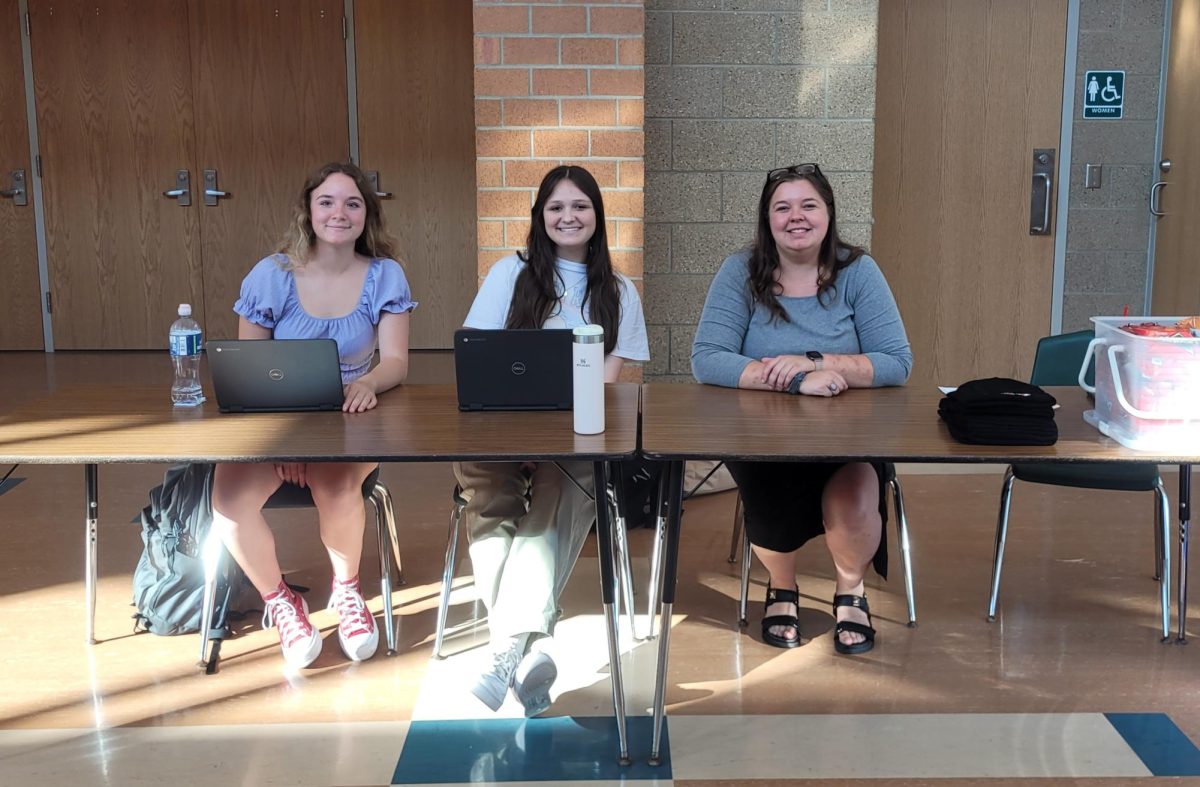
{"x":185,"y":357}
{"x":589,"y":379}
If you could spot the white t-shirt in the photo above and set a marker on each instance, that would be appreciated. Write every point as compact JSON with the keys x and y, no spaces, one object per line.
{"x":491,"y":306}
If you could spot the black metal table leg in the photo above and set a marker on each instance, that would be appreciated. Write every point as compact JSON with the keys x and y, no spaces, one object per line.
{"x":673,"y":478}
{"x":91,"y":518}
{"x":1185,"y":505}
{"x":608,"y":593}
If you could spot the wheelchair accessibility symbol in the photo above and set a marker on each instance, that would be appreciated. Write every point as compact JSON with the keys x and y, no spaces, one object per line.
{"x":1104,"y":94}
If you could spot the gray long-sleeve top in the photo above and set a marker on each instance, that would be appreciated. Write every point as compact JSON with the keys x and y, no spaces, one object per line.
{"x":860,"y":318}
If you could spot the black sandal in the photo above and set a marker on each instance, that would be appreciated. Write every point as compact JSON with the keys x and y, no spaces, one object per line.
{"x":776,"y":596}
{"x":848,"y":600}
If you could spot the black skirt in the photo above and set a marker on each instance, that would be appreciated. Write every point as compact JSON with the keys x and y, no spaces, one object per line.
{"x":782,"y":503}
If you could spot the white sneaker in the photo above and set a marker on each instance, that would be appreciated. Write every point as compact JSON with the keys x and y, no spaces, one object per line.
{"x":298,"y":637}
{"x":357,"y":633}
{"x":492,"y":684}
{"x":532,"y":681}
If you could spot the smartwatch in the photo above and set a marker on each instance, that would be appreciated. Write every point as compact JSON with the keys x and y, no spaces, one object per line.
{"x":816,"y":358}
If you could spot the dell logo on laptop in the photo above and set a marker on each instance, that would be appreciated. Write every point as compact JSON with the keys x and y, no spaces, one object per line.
{"x":518,"y":368}
{"x":275,"y":374}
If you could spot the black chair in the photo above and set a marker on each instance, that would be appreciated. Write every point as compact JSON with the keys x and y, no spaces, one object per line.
{"x":1057,"y":362}
{"x":893,"y":483}
{"x":292,"y":496}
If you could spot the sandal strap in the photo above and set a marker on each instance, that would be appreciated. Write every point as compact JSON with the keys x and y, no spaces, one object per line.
{"x":855,"y":628}
{"x":850,"y":600}
{"x":781,"y":596}
{"x":781,"y":620}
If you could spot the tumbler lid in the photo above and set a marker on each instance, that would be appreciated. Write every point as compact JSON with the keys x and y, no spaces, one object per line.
{"x":589,"y":334}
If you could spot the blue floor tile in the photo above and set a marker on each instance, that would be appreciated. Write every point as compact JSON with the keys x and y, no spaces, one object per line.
{"x":543,"y":749}
{"x":1161,"y":745}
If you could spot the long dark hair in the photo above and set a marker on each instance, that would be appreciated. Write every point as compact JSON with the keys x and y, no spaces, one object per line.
{"x":537,"y":287}
{"x":835,"y":254}
{"x":299,"y":240}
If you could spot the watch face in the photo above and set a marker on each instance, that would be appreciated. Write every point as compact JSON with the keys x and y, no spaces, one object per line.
{"x":813,"y":355}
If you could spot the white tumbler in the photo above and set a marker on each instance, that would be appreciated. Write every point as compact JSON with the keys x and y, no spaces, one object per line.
{"x":589,"y":379}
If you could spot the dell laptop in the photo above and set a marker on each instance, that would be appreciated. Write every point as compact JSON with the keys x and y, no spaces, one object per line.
{"x":275,"y":375}
{"x":513,"y":369}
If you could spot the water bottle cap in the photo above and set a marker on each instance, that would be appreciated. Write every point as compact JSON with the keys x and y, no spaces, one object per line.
{"x":589,"y":330}
{"x":185,"y":310}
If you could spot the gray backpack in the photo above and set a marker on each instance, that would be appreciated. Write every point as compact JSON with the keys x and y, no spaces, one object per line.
{"x":168,"y":583}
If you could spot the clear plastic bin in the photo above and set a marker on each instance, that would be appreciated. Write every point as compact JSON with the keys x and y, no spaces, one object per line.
{"x":1147,"y":387}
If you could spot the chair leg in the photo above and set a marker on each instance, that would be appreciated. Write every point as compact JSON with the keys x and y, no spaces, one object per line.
{"x":1158,"y":532}
{"x":736,"y":538}
{"x":1162,"y":561}
{"x":905,"y":550}
{"x":381,"y":501}
{"x":621,"y":558}
{"x":1001,"y":535}
{"x":447,"y":580}
{"x":213,"y":553}
{"x":656,"y":558}
{"x":745,"y":585}
{"x":393,"y":536}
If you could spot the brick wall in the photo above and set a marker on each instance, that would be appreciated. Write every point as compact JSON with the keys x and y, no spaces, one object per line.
{"x":735,"y":88}
{"x":558,"y":82}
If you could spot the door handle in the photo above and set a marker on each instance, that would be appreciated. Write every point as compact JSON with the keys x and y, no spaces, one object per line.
{"x":18,"y":193}
{"x":373,"y":178}
{"x":1039,"y":209}
{"x":211,"y":192}
{"x":182,"y":192}
{"x":1156,"y":198}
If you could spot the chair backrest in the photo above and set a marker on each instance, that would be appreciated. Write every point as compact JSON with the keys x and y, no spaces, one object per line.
{"x":1058,"y":359}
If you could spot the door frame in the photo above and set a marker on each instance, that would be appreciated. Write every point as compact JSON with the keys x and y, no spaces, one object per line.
{"x":39,"y":209}
{"x":1164,"y":67}
{"x":1063,"y":198}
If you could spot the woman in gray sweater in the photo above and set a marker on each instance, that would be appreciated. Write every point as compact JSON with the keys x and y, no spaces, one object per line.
{"x":801,"y":312}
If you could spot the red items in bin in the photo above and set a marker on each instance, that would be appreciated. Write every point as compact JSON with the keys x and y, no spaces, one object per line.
{"x":1147,"y":381}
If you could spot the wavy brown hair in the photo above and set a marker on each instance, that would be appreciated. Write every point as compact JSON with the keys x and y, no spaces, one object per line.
{"x":835,"y":254}
{"x":537,"y":288}
{"x":299,"y":239}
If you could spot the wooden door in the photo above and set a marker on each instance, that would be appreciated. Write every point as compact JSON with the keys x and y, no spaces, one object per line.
{"x":966,"y":90}
{"x":417,"y":128}
{"x":270,"y":93}
{"x":20,"y":297}
{"x":113,"y":90}
{"x":1177,"y":247}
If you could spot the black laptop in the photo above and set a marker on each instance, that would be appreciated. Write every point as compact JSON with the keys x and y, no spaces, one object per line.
{"x":516,"y":369}
{"x":275,"y":375}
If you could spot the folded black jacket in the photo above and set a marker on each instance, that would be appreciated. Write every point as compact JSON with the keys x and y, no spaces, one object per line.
{"x":1000,"y":411}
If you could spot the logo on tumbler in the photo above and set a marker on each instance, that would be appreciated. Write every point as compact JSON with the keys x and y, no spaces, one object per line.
{"x":275,"y":374}
{"x":518,"y":368}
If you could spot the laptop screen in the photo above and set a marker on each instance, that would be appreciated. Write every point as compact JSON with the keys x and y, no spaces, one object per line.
{"x":513,"y":369}
{"x":275,"y":375}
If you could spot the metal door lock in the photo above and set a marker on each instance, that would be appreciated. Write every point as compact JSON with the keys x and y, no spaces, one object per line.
{"x":211,"y":192}
{"x":182,"y":192}
{"x":1041,"y":193}
{"x":18,"y":193}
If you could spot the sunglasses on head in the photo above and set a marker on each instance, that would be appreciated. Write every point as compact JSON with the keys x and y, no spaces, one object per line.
{"x":795,"y":169}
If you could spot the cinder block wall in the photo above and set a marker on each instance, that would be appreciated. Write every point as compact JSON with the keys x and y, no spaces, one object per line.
{"x":735,"y":88}
{"x":1108,"y":229}
{"x":558,"y":82}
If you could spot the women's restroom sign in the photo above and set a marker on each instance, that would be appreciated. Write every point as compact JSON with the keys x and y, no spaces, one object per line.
{"x":1104,"y":94}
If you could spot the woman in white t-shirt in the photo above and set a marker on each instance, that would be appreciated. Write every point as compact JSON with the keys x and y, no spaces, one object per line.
{"x":526,"y":523}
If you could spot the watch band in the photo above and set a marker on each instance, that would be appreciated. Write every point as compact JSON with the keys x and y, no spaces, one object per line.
{"x":794,"y":385}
